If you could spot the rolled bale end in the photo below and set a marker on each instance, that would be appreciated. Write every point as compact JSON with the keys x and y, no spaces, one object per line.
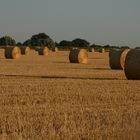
{"x":25,"y":50}
{"x":132,"y":65}
{"x":117,"y":58}
{"x":12,"y":52}
{"x":78,"y":56}
{"x":43,"y":51}
{"x":123,"y":57}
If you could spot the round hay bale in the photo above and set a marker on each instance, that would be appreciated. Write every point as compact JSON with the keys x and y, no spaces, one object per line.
{"x":132,"y":65}
{"x":117,"y":58}
{"x":12,"y":52}
{"x":78,"y":56}
{"x":55,"y":49}
{"x":102,"y":50}
{"x":91,"y":50}
{"x":43,"y":51}
{"x":25,"y":50}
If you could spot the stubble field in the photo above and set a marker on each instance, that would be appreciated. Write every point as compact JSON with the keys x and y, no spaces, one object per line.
{"x":48,"y":98}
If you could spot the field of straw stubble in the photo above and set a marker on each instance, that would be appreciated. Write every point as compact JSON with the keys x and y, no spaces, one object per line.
{"x":48,"y":98}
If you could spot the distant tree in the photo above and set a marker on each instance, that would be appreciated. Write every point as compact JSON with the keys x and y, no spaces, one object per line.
{"x":27,"y":43}
{"x":96,"y":46}
{"x":40,"y":39}
{"x":80,"y":43}
{"x":114,"y":47}
{"x":56,"y":43}
{"x":19,"y":44}
{"x":124,"y":47}
{"x":106,"y":46}
{"x":92,"y":46}
{"x":137,"y":47}
{"x":7,"y":40}
{"x":65,"y":43}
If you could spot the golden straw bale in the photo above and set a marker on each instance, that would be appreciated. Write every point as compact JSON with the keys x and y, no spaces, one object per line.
{"x":12,"y":52}
{"x":55,"y":49}
{"x":117,"y":58}
{"x":102,"y":50}
{"x":78,"y":56}
{"x":91,"y":50}
{"x":25,"y":50}
{"x":132,"y":65}
{"x":43,"y":51}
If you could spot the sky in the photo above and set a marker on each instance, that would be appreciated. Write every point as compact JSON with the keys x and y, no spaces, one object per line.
{"x":113,"y":22}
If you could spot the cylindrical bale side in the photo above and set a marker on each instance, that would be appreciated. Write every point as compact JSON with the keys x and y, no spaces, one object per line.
{"x":114,"y":59}
{"x":12,"y":52}
{"x":117,"y":58}
{"x":25,"y":50}
{"x":132,"y":65}
{"x":43,"y":51}
{"x":78,"y":56}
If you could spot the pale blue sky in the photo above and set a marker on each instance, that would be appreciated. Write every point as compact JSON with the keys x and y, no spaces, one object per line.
{"x":114,"y":22}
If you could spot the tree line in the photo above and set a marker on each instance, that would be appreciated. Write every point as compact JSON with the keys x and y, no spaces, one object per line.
{"x":43,"y":39}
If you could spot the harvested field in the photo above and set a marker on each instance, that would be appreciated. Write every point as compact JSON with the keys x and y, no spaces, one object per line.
{"x":50,"y":98}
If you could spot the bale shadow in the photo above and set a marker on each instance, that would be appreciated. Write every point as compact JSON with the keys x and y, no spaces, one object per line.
{"x":59,"y":62}
{"x":102,"y":69}
{"x":57,"y":77}
{"x":83,"y":68}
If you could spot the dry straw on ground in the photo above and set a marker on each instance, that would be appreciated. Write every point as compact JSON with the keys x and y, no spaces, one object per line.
{"x":117,"y":58}
{"x":50,"y":99}
{"x":132,"y":65}
{"x":12,"y":52}
{"x":78,"y":56}
{"x":25,"y":50}
{"x":43,"y":51}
